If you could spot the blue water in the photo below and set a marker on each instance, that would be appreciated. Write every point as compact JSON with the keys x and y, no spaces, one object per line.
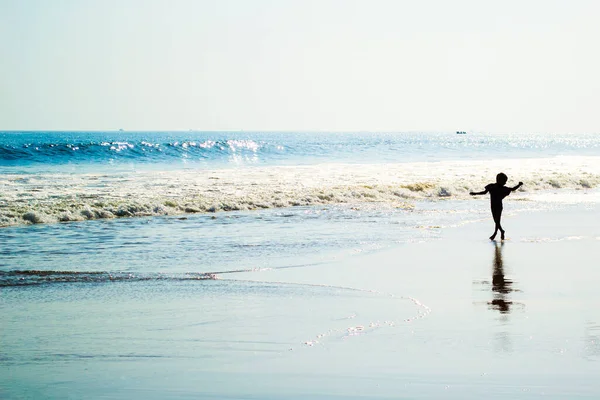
{"x":51,"y":151}
{"x":192,"y":305}
{"x":145,"y":248}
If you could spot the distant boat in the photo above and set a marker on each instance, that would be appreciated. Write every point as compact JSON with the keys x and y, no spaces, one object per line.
{"x":461,"y":132}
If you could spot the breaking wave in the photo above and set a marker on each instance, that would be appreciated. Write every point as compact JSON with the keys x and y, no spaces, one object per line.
{"x":43,"y":198}
{"x":129,"y":150}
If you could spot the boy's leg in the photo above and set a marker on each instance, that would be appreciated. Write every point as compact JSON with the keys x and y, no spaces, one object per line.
{"x":494,"y":234}
{"x":496,"y":216}
{"x":499,"y":225}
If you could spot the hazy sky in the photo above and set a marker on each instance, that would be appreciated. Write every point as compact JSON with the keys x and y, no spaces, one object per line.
{"x":493,"y":66}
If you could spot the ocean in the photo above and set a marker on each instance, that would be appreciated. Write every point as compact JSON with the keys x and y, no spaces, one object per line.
{"x":34,"y":152}
{"x":129,"y":260}
{"x":259,"y":197}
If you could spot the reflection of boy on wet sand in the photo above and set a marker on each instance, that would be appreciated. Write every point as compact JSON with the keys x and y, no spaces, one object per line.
{"x":497,"y":192}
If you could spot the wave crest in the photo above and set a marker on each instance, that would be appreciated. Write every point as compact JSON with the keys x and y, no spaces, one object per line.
{"x":144,"y":151}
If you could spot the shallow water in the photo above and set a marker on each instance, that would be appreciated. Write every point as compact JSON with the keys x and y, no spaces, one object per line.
{"x":418,"y":319}
{"x":179,"y":248}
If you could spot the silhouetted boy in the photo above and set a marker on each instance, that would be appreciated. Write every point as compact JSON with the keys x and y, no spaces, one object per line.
{"x":497,"y":192}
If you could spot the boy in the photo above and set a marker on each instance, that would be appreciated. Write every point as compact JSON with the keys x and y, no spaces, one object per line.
{"x":497,"y":192}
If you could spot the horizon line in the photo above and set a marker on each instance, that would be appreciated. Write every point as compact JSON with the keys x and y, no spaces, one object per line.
{"x":283,"y":131}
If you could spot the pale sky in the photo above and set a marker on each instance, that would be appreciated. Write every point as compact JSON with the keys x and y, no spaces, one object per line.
{"x":445,"y":65}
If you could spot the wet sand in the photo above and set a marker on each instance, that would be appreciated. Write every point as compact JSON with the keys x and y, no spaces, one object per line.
{"x":460,"y":317}
{"x":517,"y":319}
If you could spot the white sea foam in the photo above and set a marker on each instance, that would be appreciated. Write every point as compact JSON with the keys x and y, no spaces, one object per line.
{"x":50,"y":197}
{"x":553,"y":240}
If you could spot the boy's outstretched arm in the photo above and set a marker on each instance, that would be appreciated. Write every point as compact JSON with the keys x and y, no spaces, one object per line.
{"x":516,"y":187}
{"x":478,"y":193}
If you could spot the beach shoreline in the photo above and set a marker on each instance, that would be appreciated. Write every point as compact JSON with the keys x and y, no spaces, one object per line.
{"x":447,"y":331}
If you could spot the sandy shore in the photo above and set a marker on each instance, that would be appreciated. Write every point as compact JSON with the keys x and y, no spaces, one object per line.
{"x":512,"y":320}
{"x":459,"y":317}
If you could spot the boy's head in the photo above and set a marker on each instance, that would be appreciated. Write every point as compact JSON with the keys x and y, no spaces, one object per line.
{"x":501,"y":179}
